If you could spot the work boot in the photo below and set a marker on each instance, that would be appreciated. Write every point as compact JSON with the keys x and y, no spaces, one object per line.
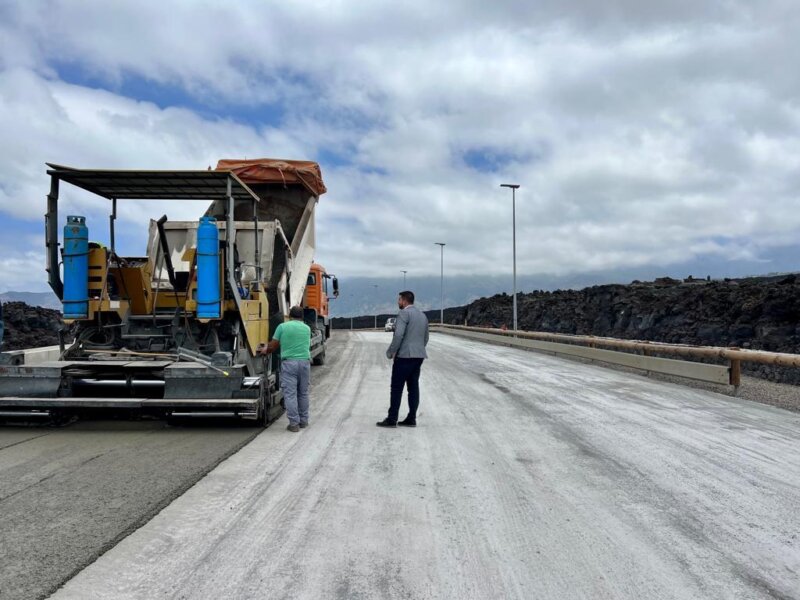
{"x":386,"y":423}
{"x":407,"y":422}
{"x":292,"y":428}
{"x":303,"y":425}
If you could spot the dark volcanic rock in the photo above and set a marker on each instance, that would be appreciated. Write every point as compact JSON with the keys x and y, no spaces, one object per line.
{"x":761,"y":313}
{"x":29,"y":326}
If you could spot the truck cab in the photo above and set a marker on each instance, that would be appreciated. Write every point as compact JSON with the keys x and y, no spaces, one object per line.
{"x":318,"y":294}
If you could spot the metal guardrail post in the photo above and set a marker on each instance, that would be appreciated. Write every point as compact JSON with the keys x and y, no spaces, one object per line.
{"x":736,"y":374}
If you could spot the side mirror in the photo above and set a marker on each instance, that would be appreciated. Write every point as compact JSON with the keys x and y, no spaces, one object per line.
{"x":335,"y":287}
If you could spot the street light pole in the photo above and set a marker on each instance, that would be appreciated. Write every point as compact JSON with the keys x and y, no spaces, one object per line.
{"x":514,"y":187}
{"x":351,"y":314}
{"x":441,"y":313}
{"x":375,"y":285}
{"x":404,"y":279}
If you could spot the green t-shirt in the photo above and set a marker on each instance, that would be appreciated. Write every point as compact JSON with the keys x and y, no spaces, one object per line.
{"x":295,"y":339}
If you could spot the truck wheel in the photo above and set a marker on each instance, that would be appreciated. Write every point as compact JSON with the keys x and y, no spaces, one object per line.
{"x":319,"y":359}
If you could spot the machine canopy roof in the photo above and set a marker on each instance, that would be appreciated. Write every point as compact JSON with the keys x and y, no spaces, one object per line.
{"x":155,"y":185}
{"x":275,"y":170}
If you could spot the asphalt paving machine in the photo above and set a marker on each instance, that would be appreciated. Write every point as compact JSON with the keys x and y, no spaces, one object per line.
{"x":175,"y":332}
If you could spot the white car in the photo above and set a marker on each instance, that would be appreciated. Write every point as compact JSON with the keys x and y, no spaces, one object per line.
{"x":389,"y":324}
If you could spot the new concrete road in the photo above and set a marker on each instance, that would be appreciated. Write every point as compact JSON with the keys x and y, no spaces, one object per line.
{"x":528,"y":477}
{"x":67,"y":494}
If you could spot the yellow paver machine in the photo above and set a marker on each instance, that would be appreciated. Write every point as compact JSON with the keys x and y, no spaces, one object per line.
{"x":175,"y":332}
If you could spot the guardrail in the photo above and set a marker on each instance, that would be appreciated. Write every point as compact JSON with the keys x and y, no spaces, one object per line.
{"x":617,"y":351}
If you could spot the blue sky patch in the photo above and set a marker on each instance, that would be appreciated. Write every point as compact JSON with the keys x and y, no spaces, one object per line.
{"x":165,"y":96}
{"x":22,"y":227}
{"x":333,"y":158}
{"x":489,"y":160}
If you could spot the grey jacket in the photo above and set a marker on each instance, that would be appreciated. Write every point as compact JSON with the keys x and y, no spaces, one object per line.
{"x":410,"y":334}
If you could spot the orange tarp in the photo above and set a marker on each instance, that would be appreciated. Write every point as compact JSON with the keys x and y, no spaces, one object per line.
{"x":275,"y":170}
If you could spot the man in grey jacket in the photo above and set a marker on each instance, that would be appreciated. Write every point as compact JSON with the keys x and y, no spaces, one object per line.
{"x":408,"y":351}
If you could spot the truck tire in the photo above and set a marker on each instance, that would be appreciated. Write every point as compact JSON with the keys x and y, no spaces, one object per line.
{"x":319,"y":359}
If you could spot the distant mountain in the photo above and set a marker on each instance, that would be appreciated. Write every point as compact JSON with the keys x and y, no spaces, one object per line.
{"x":43,"y":299}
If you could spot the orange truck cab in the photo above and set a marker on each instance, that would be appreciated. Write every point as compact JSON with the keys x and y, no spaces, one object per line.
{"x":316,"y":299}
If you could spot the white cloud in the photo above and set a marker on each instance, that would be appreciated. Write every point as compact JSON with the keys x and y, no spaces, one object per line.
{"x":51,"y":121}
{"x":642,"y":132}
{"x":19,"y":271}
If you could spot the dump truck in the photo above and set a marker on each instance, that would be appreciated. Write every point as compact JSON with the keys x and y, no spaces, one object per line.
{"x":176,"y":332}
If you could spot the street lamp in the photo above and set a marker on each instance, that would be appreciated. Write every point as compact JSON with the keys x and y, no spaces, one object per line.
{"x":404,"y":279}
{"x":514,"y":187}
{"x":351,"y":314}
{"x":441,"y":314}
{"x":375,"y":285}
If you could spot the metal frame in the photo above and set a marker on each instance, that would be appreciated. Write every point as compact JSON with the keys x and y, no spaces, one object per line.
{"x":125,"y":402}
{"x":441,"y":282}
{"x":514,"y":187}
{"x":51,"y":239}
{"x":147,"y":185}
{"x":153,"y":185}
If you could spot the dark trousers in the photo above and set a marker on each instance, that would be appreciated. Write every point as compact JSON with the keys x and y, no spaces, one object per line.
{"x":405,"y":372}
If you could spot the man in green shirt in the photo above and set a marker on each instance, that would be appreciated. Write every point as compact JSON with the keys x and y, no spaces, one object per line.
{"x":293,"y":338}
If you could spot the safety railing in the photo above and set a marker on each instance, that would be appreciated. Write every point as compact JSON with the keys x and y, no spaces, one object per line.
{"x":616,"y":351}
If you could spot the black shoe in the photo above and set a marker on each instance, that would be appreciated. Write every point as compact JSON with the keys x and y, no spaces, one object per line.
{"x":302,"y":425}
{"x":292,"y":428}
{"x":386,"y":423}
{"x":407,"y":423}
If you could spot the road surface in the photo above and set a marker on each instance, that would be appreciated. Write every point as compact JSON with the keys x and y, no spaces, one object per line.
{"x":67,"y":494}
{"x":528,"y":477}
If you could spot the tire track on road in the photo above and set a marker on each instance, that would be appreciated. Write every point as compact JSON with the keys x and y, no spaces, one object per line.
{"x":7,"y":446}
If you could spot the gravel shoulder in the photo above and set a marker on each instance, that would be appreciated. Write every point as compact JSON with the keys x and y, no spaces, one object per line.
{"x":526,"y":478}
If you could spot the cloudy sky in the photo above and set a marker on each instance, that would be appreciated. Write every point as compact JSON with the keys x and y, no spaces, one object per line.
{"x":646,"y":135}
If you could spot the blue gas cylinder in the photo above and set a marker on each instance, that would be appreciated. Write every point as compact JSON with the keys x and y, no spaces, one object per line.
{"x":76,"y":268}
{"x":208,"y":292}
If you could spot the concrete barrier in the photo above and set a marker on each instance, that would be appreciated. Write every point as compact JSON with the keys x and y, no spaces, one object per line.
{"x":30,"y":356}
{"x":720,"y":374}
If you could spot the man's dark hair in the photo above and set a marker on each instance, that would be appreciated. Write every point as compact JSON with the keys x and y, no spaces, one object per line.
{"x":296,"y":312}
{"x":407,"y":296}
